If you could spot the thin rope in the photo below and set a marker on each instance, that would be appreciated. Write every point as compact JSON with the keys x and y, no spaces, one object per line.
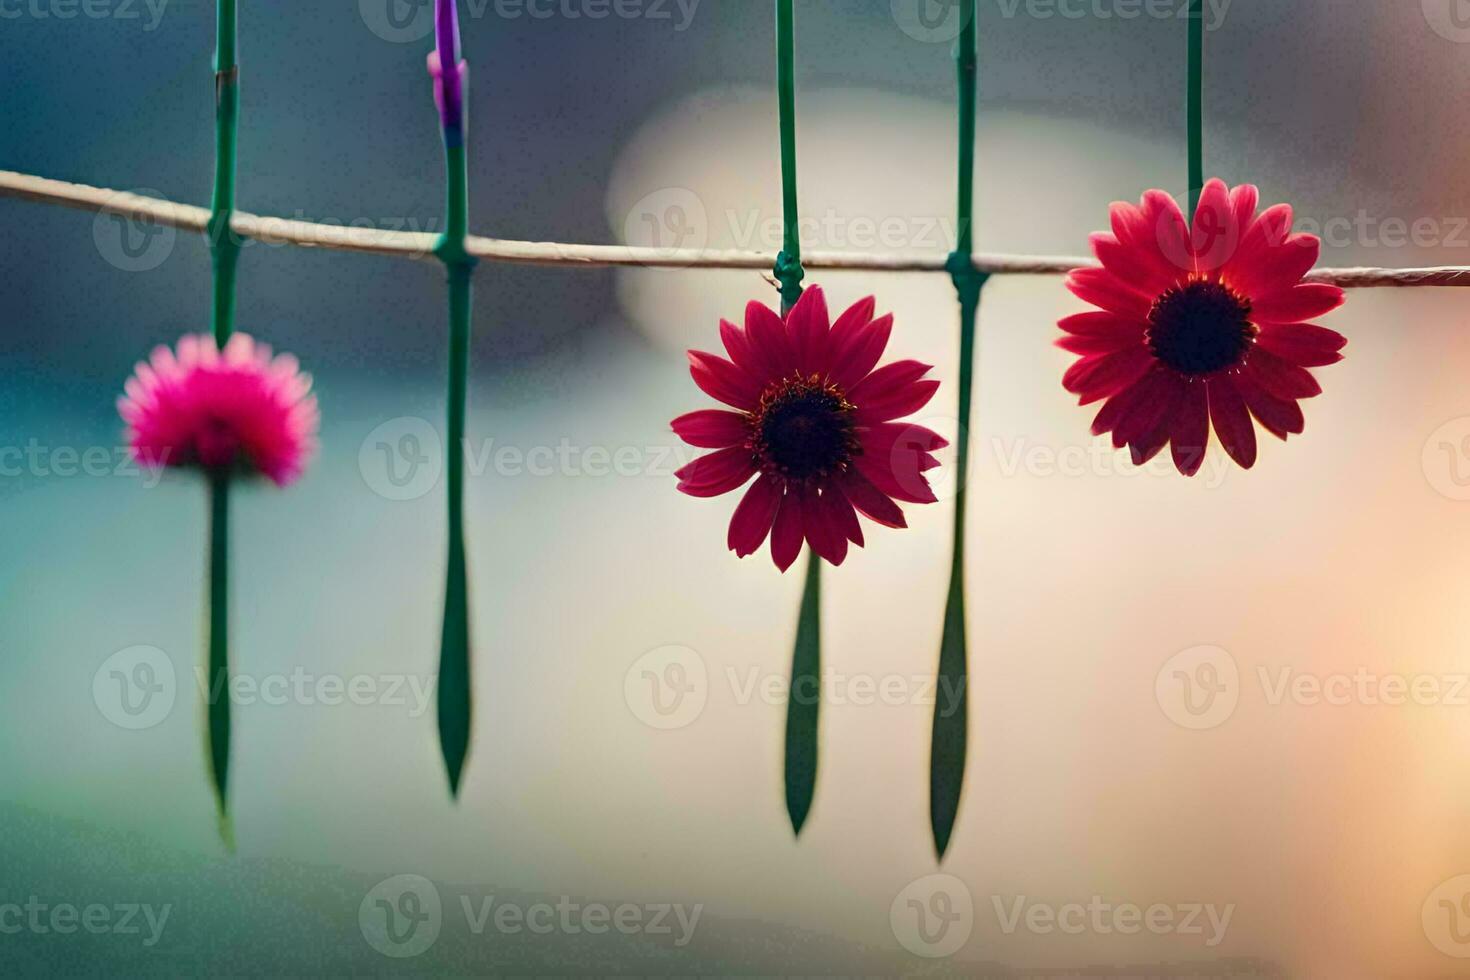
{"x":420,"y":246}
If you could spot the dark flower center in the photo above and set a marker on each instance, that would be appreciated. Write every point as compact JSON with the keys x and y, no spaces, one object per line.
{"x":1200,"y":327}
{"x":803,"y":429}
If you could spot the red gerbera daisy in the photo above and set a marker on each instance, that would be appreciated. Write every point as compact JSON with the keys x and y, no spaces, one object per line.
{"x":814,"y":423}
{"x":1199,"y":325}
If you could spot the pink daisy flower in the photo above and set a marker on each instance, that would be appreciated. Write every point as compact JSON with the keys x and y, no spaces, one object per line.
{"x":814,"y":424}
{"x":239,"y":409}
{"x":1199,"y":326}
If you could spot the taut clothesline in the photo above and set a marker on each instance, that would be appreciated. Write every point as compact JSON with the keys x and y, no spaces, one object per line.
{"x":420,"y":245}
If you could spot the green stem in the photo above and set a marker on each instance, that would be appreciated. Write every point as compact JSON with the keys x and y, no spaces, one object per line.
{"x":224,"y":258}
{"x":804,"y":703}
{"x":1195,"y":110}
{"x":454,"y":698}
{"x":219,"y":641}
{"x":804,"y":700}
{"x":789,"y":272}
{"x":224,"y":247}
{"x":950,"y":733}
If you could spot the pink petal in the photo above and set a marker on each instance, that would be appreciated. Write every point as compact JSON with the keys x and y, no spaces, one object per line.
{"x":754,"y":516}
{"x":712,"y":428}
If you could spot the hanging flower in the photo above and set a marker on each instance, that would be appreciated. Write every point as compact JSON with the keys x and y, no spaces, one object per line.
{"x":814,"y":424}
{"x":239,"y":410}
{"x":1199,"y":326}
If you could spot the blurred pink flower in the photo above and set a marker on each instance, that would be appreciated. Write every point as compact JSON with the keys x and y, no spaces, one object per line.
{"x":240,"y":409}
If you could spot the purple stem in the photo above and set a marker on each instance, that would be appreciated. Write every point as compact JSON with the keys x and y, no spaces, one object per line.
{"x":449,"y":81}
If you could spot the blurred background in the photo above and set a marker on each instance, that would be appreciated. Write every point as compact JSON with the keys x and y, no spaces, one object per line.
{"x":1303,"y":813}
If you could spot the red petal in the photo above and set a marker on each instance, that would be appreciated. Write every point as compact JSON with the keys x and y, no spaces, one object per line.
{"x":754,"y":516}
{"x":787,"y":532}
{"x":1134,"y":266}
{"x":738,"y":346}
{"x":1101,"y":288}
{"x":908,"y":484}
{"x":1279,"y":377}
{"x":853,"y":364}
{"x":823,"y":532}
{"x":1279,"y":416}
{"x":871,"y":502}
{"x":1155,"y":400}
{"x":712,"y":428}
{"x":1169,"y":233}
{"x":1116,"y":407}
{"x":807,"y":325}
{"x":767,"y":333}
{"x":1267,"y":232}
{"x":847,"y":329}
{"x":888,"y":380}
{"x":1078,"y":344}
{"x":1190,"y":432}
{"x":1232,"y":422}
{"x":1297,"y":304}
{"x":722,"y":380}
{"x":843,"y":514}
{"x":1303,"y":344}
{"x":1214,"y":235}
{"x":1098,"y":377}
{"x":904,"y":401}
{"x":716,"y":473}
{"x":1103,"y":324}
